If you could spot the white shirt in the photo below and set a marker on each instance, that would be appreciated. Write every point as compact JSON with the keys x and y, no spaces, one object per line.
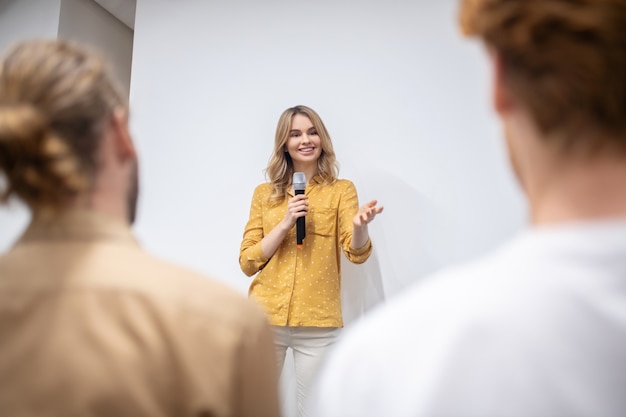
{"x":537,"y":328}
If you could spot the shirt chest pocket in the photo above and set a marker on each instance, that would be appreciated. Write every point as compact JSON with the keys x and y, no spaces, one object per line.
{"x":322,"y":222}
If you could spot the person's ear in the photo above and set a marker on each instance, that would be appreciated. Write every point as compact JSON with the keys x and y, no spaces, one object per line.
{"x":123,"y":141}
{"x":501,"y":99}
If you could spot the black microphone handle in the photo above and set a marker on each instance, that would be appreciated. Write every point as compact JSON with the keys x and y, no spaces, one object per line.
{"x":300,"y":225}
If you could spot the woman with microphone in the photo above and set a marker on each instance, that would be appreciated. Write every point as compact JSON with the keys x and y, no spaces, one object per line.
{"x":299,"y":280}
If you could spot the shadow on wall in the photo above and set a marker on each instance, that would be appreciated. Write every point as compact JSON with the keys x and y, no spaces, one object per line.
{"x":361,"y":287}
{"x":412,"y":238}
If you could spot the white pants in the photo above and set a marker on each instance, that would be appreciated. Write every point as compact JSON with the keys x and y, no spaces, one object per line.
{"x":308,"y":345}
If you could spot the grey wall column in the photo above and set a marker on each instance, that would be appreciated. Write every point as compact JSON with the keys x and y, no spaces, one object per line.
{"x":88,"y":22}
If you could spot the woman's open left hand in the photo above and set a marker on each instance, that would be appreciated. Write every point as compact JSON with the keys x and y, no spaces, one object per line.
{"x":367,"y":213}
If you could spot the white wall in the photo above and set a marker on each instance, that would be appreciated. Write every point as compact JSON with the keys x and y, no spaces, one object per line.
{"x":27,"y":18}
{"x":405,"y":98}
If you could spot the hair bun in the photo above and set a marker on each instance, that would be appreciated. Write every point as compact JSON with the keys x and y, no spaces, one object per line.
{"x":21,"y":123}
{"x":55,"y":97}
{"x":38,"y":164}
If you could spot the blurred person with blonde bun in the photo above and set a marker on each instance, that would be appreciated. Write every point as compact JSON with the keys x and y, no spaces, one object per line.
{"x":537,"y":328}
{"x":91,"y":324}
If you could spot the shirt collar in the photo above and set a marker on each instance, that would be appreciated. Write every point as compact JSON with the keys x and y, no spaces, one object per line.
{"x":77,"y":225}
{"x":316,"y":180}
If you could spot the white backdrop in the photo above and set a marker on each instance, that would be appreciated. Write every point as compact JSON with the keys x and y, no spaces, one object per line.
{"x":406,"y":100}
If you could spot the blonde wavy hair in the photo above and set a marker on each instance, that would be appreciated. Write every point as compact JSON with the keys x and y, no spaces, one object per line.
{"x":279,"y":171}
{"x":565,"y":60}
{"x":55,"y":98}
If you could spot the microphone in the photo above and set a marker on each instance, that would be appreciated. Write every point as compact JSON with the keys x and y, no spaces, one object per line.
{"x":299,"y":184}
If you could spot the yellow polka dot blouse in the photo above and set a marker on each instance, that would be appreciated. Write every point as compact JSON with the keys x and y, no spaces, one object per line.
{"x":302,"y":287}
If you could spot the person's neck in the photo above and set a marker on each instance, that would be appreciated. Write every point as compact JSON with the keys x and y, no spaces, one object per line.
{"x":101,"y":203}
{"x":566,"y":185}
{"x":309,"y":171}
{"x":580,"y":190}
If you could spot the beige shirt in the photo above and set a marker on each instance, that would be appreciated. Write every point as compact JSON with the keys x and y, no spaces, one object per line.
{"x":91,"y":325}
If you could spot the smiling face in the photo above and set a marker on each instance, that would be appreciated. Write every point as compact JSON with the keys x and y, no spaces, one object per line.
{"x":303,"y":144}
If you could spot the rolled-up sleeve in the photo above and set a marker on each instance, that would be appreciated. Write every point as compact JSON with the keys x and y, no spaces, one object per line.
{"x":348,"y":208}
{"x":360,"y":255}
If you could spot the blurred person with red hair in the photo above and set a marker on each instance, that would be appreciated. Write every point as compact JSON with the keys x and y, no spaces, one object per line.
{"x":538,"y":326}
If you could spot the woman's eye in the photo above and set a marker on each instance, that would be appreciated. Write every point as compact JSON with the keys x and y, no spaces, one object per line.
{"x":313,"y":133}
{"x":294,"y":134}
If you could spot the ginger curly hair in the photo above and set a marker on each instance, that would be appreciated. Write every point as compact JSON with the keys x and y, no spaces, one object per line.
{"x":565,"y":60}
